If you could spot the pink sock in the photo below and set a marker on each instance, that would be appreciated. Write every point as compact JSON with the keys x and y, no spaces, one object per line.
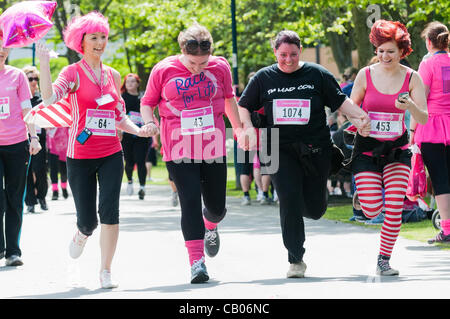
{"x":55,"y":187}
{"x":63,"y":185}
{"x":209,"y":225}
{"x":445,"y":225}
{"x":195,"y":250}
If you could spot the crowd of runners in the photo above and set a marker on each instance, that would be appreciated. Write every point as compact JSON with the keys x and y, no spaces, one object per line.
{"x":115,"y":129}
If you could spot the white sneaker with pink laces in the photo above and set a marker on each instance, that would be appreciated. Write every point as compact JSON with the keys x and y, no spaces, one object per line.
{"x":106,"y":280}
{"x":77,"y":244}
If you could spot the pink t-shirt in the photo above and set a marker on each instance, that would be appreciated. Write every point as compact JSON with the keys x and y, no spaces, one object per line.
{"x":14,"y":89}
{"x":435,"y":73}
{"x":176,"y":91}
{"x":101,"y":121}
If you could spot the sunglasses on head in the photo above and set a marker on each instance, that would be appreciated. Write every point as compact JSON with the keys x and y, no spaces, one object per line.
{"x":33,"y":79}
{"x":192,"y":46}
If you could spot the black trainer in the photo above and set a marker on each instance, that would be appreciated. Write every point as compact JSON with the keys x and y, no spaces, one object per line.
{"x":141,"y":194}
{"x":212,"y":242}
{"x":64,"y":193}
{"x":440,"y":238}
{"x":43,"y":204}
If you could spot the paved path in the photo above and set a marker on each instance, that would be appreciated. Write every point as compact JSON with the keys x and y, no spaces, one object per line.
{"x":151,"y":260}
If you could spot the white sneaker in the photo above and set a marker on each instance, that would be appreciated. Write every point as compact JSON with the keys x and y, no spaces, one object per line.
{"x":130,"y":190}
{"x":275,"y":196}
{"x":106,"y":281}
{"x":337,"y":191}
{"x":174,"y":199}
{"x":77,"y":244}
{"x":259,"y":196}
{"x":297,"y":270}
{"x":246,"y":201}
{"x":13,"y":260}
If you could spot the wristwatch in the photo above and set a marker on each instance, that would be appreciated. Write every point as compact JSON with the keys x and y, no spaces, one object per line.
{"x":36,"y":137}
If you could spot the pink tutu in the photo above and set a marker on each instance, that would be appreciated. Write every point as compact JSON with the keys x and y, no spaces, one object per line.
{"x":436,"y":130}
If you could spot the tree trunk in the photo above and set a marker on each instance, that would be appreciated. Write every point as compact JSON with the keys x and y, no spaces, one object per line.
{"x":361,"y":39}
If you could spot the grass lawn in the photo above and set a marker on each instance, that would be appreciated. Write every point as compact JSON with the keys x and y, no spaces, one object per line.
{"x":420,"y":231}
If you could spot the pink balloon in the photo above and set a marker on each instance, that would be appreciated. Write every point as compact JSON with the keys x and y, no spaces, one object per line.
{"x":26,"y":22}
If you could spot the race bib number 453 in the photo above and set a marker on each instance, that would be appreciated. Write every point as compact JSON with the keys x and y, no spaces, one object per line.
{"x":291,"y":111}
{"x":385,"y":125}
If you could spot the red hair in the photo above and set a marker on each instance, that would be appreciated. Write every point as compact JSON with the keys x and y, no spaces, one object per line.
{"x":385,"y":31}
{"x":123,"y":88}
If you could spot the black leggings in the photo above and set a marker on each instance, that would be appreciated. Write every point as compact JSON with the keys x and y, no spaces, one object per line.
{"x":83,"y":175}
{"x":13,"y":171}
{"x":57,"y":166}
{"x":300,"y":196}
{"x":194,"y":181}
{"x":37,"y":189}
{"x":135,"y":151}
{"x":436,"y":158}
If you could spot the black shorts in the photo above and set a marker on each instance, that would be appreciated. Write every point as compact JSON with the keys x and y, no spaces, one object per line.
{"x":245,"y":161}
{"x":83,"y":176}
{"x":365,"y":163}
{"x":436,"y":158}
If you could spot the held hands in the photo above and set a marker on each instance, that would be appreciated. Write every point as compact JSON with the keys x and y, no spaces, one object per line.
{"x":246,"y":138}
{"x":148,"y":130}
{"x":363,"y":125}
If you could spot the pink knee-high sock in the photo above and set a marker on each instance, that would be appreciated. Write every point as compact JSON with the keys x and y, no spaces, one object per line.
{"x":195,"y":250}
{"x":445,"y":225}
{"x":64,"y":185}
{"x":55,"y":187}
{"x":209,"y":225}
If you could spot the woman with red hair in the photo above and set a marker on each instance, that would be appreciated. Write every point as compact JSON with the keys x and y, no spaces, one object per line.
{"x":385,"y":90}
{"x":94,"y":153}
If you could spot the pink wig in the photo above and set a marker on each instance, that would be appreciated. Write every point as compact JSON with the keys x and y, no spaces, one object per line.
{"x":79,"y":26}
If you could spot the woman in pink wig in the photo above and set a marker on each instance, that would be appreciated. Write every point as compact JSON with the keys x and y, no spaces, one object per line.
{"x":94,"y":152}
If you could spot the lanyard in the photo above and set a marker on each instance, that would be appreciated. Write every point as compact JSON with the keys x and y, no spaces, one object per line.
{"x":440,"y":52}
{"x":87,"y":66}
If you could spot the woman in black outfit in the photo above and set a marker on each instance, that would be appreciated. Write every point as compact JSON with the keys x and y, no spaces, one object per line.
{"x":134,"y":147}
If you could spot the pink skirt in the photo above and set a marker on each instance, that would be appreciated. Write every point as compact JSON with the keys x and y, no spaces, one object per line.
{"x":436,"y":130}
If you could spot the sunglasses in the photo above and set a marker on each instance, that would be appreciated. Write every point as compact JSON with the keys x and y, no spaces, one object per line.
{"x":33,"y":79}
{"x":192,"y":46}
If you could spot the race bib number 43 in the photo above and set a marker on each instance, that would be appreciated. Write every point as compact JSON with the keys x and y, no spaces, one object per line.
{"x":385,"y":125}
{"x":197,"y":121}
{"x":291,"y":111}
{"x":4,"y":107}
{"x":101,"y":122}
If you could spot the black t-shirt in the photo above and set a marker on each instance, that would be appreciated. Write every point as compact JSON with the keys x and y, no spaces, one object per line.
{"x":312,"y":83}
{"x":132,"y":102}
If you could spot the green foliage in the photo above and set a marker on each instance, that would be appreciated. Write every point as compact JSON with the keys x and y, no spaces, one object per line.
{"x":147,"y":31}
